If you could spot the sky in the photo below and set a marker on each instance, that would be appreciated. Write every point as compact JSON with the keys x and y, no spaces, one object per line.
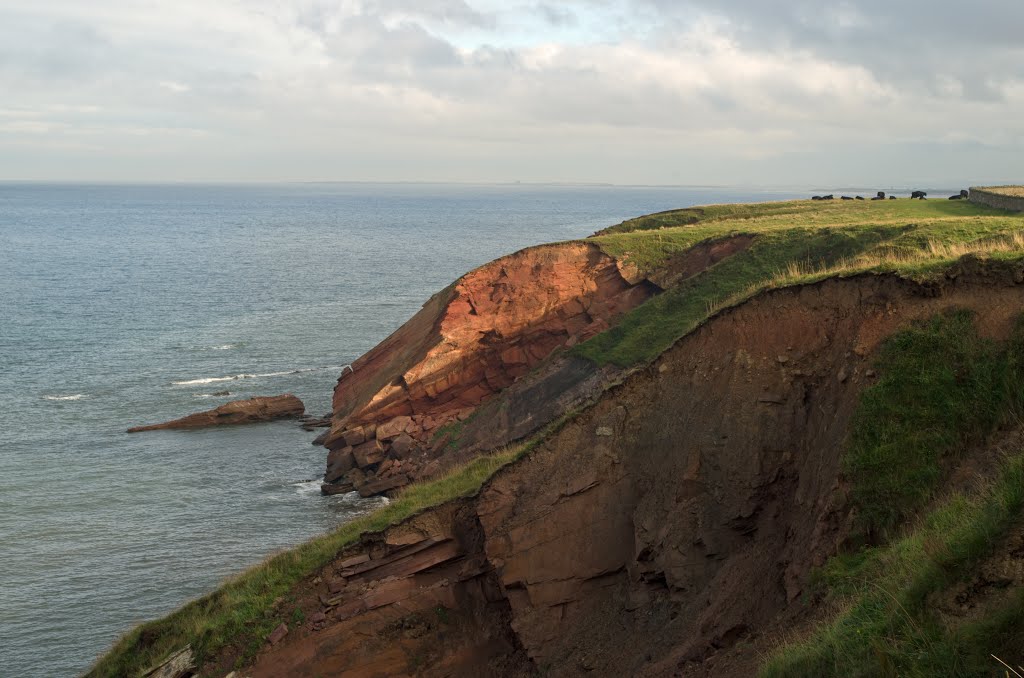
{"x":657,"y":92}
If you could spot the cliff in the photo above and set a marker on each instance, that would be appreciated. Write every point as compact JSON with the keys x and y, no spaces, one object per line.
{"x":467,"y":344}
{"x":670,"y":529}
{"x":780,"y":439}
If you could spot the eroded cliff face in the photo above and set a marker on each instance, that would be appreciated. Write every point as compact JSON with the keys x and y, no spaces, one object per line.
{"x":468,"y":343}
{"x":677,"y":516}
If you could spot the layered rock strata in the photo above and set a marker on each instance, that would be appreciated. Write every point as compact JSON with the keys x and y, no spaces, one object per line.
{"x":468,"y":343}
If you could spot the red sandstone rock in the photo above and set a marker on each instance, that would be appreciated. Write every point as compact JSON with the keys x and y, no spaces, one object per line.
{"x":368,"y":453}
{"x":393,"y":428}
{"x":339,"y":462}
{"x":476,"y":338}
{"x":263,"y":408}
{"x":402,"y":445}
{"x":381,"y":485}
{"x":354,"y":436}
{"x":336,"y":488}
{"x":278,"y":634}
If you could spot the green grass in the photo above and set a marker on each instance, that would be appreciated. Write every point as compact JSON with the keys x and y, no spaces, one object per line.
{"x":942,"y":387}
{"x":794,"y":242}
{"x":886,"y":627}
{"x":648,"y":330}
{"x":241,"y":612}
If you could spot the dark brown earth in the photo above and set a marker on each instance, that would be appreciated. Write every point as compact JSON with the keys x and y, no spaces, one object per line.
{"x":668,"y":530}
{"x":262,"y":408}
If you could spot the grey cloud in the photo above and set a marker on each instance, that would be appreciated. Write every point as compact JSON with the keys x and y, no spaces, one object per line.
{"x":914,"y":44}
{"x":557,"y":15}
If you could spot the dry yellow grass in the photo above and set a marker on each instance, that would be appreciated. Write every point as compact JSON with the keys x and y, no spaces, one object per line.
{"x":933,"y":252}
{"x":905,"y":260}
{"x":1015,"y":191}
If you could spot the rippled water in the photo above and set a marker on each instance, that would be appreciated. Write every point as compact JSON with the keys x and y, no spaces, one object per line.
{"x":123,"y":305}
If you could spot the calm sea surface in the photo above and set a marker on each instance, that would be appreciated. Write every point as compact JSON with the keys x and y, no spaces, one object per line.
{"x":123,"y":305}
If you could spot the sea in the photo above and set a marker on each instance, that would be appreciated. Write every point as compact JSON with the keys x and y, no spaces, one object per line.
{"x":123,"y":305}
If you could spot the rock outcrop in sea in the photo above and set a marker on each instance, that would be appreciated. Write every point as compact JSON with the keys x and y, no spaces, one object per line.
{"x":261,"y":408}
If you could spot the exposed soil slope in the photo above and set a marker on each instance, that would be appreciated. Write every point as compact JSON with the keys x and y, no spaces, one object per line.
{"x":678,"y":516}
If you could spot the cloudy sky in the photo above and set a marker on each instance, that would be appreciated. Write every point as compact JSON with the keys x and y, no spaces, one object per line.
{"x":737,"y":92}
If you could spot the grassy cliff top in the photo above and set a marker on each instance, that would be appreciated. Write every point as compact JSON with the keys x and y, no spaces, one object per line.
{"x":1013,"y":191}
{"x":793,"y":242}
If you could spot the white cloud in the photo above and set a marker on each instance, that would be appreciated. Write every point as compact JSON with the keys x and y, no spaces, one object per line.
{"x":602,"y":90}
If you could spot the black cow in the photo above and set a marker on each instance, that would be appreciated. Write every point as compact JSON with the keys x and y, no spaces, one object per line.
{"x":860,"y":197}
{"x":828,"y":197}
{"x":892,"y":197}
{"x":846,"y":197}
{"x":919,"y":195}
{"x":815,"y":197}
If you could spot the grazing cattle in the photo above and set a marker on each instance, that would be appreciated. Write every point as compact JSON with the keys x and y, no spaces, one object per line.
{"x":828,"y":197}
{"x":956,"y":197}
{"x":815,"y":197}
{"x":920,"y":195}
{"x":846,"y":197}
{"x":892,"y":197}
{"x":880,"y":195}
{"x":964,"y":193}
{"x":860,"y":197}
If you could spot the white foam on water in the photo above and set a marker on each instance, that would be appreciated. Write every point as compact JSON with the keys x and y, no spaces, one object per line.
{"x":236,"y":377}
{"x":76,"y":396}
{"x":308,"y":486}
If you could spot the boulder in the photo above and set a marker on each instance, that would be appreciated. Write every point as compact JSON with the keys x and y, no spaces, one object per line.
{"x":402,"y":445}
{"x":336,"y":488}
{"x":263,"y":408}
{"x":356,"y":477}
{"x":354,"y":436}
{"x":393,"y":428}
{"x":370,"y":452}
{"x":339,"y":462}
{"x":278,"y":634}
{"x":381,"y":485}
